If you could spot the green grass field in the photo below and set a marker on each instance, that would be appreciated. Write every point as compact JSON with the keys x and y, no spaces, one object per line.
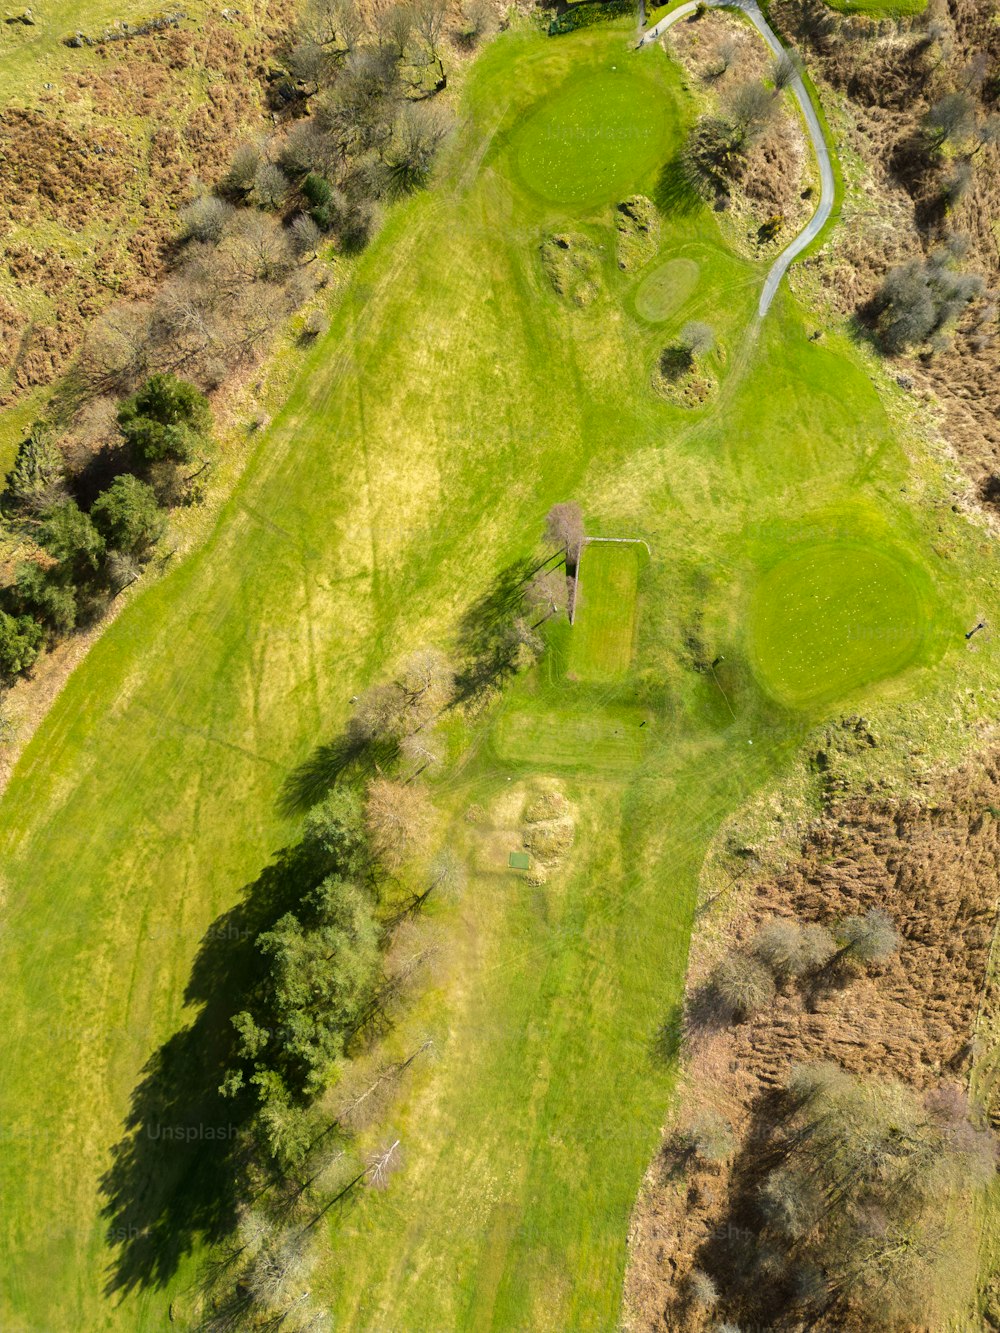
{"x":454,"y":382}
{"x":606,"y":611}
{"x":879,"y":8}
{"x":834,"y":618}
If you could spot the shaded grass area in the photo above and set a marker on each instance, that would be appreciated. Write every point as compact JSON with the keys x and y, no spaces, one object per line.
{"x":452,"y":382}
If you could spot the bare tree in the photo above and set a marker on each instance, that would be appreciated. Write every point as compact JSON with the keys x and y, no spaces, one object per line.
{"x":239,"y":179}
{"x":270,"y":185}
{"x":306,"y":236}
{"x":398,"y":818}
{"x":726,"y":54}
{"x":395,"y":28}
{"x":205,"y":218}
{"x":383,"y":1164}
{"x":697,"y":337}
{"x":950,"y":117}
{"x":427,"y":684}
{"x":428,"y":21}
{"x":564,"y":529}
{"x":379,"y":715}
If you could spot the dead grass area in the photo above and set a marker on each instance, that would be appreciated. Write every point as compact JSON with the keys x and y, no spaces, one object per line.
{"x":877,"y":81}
{"x":933,"y":862}
{"x":97,"y":165}
{"x":778,"y":182}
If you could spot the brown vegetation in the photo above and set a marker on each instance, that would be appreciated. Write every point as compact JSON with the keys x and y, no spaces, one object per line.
{"x":88,"y":214}
{"x":932,"y":864}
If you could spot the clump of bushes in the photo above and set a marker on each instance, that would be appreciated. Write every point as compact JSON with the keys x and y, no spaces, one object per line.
{"x":919,"y":301}
{"x":783,"y":952}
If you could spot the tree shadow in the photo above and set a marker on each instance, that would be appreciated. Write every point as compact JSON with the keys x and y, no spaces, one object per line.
{"x":666,"y":1042}
{"x":174,"y":1181}
{"x":674,"y":194}
{"x":484,"y":633}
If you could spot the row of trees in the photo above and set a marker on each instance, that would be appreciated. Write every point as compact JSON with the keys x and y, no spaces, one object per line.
{"x":919,"y":301}
{"x":305,"y":1073}
{"x":85,"y":556}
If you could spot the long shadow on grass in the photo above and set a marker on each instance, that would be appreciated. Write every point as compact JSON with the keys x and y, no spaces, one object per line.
{"x":488,"y":644}
{"x":674,"y":193}
{"x":346,"y":755}
{"x":173,"y":1181}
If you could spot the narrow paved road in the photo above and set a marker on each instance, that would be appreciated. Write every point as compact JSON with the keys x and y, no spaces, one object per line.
{"x":812,"y":228}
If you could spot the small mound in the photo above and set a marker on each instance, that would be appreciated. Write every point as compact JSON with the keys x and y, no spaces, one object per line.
{"x":666,"y":289}
{"x":638,"y":226}
{"x":572,"y":265}
{"x":682,"y":376}
{"x":833,"y":618}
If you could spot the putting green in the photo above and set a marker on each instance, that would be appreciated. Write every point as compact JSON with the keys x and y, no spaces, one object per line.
{"x":832,"y":618}
{"x":666,"y":289}
{"x":596,"y":139}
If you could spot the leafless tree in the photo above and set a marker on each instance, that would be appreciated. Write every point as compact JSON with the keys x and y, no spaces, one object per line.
{"x":270,"y":185}
{"x":398,"y":818}
{"x":204,"y":219}
{"x":394,"y":26}
{"x":239,"y":179}
{"x":383,"y":1165}
{"x":306,"y":236}
{"x":428,"y":20}
{"x":564,"y":528}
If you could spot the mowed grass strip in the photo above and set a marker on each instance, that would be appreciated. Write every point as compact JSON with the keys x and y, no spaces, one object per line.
{"x":604,"y":627}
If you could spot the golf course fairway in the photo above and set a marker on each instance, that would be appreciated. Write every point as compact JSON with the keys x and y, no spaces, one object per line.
{"x":454,"y":399}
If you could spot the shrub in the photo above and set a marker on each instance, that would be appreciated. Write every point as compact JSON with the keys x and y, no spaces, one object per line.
{"x":128,"y":516}
{"x":20,"y":643}
{"x":317,"y":190}
{"x":790,"y":949}
{"x":870,"y":937}
{"x":701,"y":1290}
{"x":743,"y":985}
{"x":710,"y":1137}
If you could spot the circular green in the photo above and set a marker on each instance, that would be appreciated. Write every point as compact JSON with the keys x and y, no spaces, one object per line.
{"x":833,"y":618}
{"x":594,"y":140}
{"x":666,"y":289}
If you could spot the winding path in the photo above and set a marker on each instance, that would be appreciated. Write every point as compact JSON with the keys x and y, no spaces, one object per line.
{"x":820,"y":147}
